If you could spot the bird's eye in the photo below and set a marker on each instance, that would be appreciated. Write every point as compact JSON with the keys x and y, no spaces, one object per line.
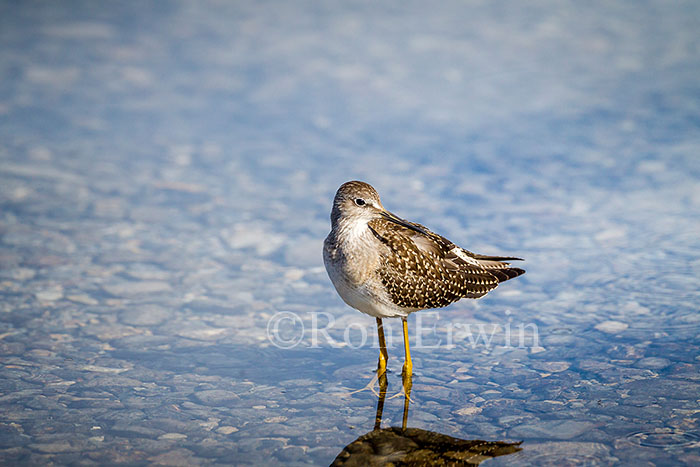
{"x":360,"y":201}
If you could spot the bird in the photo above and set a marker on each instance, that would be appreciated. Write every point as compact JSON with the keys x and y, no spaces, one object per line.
{"x":388,"y":267}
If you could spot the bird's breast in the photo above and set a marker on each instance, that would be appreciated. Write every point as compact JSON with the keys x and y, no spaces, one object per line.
{"x":352,"y":264}
{"x":353,"y":259}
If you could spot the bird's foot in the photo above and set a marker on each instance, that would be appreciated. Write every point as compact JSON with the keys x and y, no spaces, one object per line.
{"x":370,"y":386}
{"x":405,"y":388}
{"x":402,"y":392}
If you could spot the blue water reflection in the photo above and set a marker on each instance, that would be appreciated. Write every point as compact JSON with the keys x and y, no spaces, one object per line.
{"x":166,"y":174}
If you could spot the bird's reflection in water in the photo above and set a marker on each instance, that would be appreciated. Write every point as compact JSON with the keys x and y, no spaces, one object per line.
{"x":414,"y":446}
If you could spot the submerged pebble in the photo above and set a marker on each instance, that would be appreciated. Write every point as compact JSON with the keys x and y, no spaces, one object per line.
{"x":165,"y":191}
{"x":611,"y":327}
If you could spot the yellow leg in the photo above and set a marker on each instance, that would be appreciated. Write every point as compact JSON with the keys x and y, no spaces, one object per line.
{"x":383,"y":356}
{"x":380,"y":401}
{"x":407,"y":374}
{"x":408,"y":365}
{"x":407,"y":383}
{"x":381,"y":369}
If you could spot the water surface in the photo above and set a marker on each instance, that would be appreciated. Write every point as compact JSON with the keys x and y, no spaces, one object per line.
{"x":166,"y":174}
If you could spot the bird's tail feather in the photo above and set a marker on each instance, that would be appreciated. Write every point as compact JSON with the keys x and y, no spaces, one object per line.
{"x":506,"y":273}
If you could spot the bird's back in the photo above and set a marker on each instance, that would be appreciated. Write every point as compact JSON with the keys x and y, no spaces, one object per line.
{"x":421,"y":269}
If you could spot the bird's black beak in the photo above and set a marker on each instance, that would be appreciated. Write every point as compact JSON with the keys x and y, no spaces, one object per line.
{"x":397,"y":220}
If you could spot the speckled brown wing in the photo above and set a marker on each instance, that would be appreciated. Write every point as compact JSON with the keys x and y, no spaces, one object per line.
{"x":458,"y":257}
{"x":423,"y":270}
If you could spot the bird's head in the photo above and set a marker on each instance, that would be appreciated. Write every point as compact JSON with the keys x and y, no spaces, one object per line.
{"x":356,"y":202}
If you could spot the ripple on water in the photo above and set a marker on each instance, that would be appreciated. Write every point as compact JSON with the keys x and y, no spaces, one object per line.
{"x":663,"y":439}
{"x":562,"y":453}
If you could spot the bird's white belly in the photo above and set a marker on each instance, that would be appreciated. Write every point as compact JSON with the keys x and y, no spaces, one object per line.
{"x":367,"y":298}
{"x":364,"y":299}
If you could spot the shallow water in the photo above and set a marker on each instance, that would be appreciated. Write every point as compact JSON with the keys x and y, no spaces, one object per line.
{"x":166,"y":174}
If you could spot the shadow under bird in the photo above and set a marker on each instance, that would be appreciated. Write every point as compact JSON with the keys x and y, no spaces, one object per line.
{"x":388,"y":267}
{"x":415,"y":446}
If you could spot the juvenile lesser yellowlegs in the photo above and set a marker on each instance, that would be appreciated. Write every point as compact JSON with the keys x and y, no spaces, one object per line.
{"x":387,"y":267}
